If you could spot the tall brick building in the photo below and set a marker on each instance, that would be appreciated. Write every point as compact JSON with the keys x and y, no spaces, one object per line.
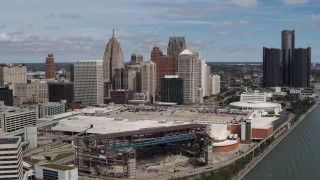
{"x":49,"y":68}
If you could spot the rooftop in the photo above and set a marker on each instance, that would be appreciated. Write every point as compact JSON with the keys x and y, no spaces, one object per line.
{"x":9,"y":140}
{"x":186,"y":52}
{"x":9,"y":110}
{"x":58,"y":167}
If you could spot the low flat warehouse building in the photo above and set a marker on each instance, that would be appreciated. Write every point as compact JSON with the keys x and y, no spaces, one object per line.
{"x":13,"y":118}
{"x":55,"y":172}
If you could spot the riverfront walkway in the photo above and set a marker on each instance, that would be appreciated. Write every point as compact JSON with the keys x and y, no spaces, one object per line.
{"x":256,"y":160}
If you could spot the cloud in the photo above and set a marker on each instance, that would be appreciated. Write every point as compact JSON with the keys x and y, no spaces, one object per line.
{"x":237,"y":48}
{"x":294,"y":2}
{"x":51,"y":27}
{"x":246,"y":3}
{"x":50,"y":16}
{"x":315,"y":17}
{"x":2,"y":26}
{"x":70,"y":16}
{"x":227,"y":24}
{"x":200,"y":11}
{"x":222,"y":33}
{"x":245,"y":34}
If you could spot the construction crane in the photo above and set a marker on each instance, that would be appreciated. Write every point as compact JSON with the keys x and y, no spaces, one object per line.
{"x":168,"y":159}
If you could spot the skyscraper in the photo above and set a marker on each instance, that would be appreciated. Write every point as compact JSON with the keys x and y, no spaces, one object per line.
{"x":148,"y":78}
{"x":136,"y":59}
{"x":272,"y":72}
{"x":49,"y":68}
{"x":176,"y":45}
{"x":287,"y":48}
{"x":172,"y":89}
{"x":112,"y":59}
{"x":301,"y":65}
{"x":88,"y":82}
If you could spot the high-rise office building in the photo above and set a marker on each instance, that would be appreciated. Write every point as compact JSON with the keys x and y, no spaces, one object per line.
{"x":301,"y":67}
{"x":287,"y":48}
{"x":58,"y":91}
{"x":11,"y":74}
{"x":215,"y":84}
{"x":71,"y":70}
{"x":11,"y":158}
{"x":189,"y":68}
{"x":123,"y":79}
{"x":136,"y":70}
{"x":88,"y":82}
{"x":148,"y":78}
{"x":6,"y":95}
{"x":49,"y":67}
{"x":172,"y":89}
{"x":272,"y":71}
{"x":176,"y":45}
{"x":112,"y":59}
{"x":136,"y":59}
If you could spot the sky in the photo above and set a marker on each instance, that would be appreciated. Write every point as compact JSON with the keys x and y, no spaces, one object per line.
{"x":222,"y":30}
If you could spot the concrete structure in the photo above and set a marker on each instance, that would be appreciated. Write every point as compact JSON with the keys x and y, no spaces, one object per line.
{"x":51,"y":108}
{"x":13,"y":118}
{"x":49,"y":67}
{"x":34,"y":92}
{"x":272,"y":68}
{"x":55,"y":172}
{"x":11,"y":158}
{"x":11,"y":74}
{"x":58,"y":91}
{"x":189,"y":68}
{"x":301,"y":67}
{"x":112,"y":59}
{"x":136,"y":59}
{"x":172,"y":89}
{"x":121,"y":96}
{"x":215,"y":84}
{"x":148,"y":78}
{"x":176,"y":45}
{"x":30,"y":134}
{"x":253,"y":97}
{"x":88,"y":82}
{"x":6,"y":95}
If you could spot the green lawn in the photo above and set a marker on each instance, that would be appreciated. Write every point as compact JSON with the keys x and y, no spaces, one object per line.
{"x":62,"y":156}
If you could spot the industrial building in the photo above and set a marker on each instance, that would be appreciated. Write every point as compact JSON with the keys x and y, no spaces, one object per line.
{"x":10,"y":158}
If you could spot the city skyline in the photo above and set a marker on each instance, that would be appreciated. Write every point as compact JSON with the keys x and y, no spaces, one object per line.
{"x":223,"y":31}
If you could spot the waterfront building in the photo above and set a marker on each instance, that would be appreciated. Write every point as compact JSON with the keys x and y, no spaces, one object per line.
{"x":55,"y":171}
{"x":13,"y":118}
{"x":11,"y":74}
{"x":148,"y":78}
{"x":6,"y":95}
{"x":287,"y":48}
{"x":60,"y":90}
{"x":88,"y":82}
{"x":215,"y":84}
{"x":11,"y":157}
{"x":172,"y":89}
{"x":272,"y":71}
{"x":49,"y":67}
{"x":301,"y":67}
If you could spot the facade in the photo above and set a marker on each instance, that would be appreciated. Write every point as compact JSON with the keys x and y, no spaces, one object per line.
{"x":166,"y":65}
{"x":50,"y":108}
{"x":121,"y":96}
{"x":11,"y":158}
{"x":287,"y":48}
{"x":124,"y":79}
{"x":13,"y":118}
{"x":189,"y":68}
{"x":136,"y":59}
{"x":88,"y":82}
{"x":205,"y":74}
{"x":49,"y":67}
{"x":176,"y":45}
{"x":112,"y":59}
{"x":55,"y":171}
{"x":71,"y":70}
{"x":148,"y":78}
{"x":253,"y":97}
{"x":6,"y":95}
{"x":215,"y":82}
{"x":58,"y":91}
{"x":301,"y":67}
{"x":172,"y":89}
{"x":136,"y":71}
{"x":30,"y":93}
{"x":11,"y":74}
{"x":272,"y":71}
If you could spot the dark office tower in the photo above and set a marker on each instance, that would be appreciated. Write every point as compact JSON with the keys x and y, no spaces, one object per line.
{"x":287,"y":48}
{"x":176,"y":45}
{"x":272,"y":67}
{"x":6,"y":96}
{"x":58,"y":91}
{"x":172,"y":89}
{"x":301,"y":67}
{"x":136,"y":59}
{"x":49,"y":68}
{"x":71,"y":69}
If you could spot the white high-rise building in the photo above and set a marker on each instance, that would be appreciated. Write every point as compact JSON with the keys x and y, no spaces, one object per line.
{"x":148,"y":77}
{"x":88,"y":82}
{"x":189,"y":68}
{"x":10,"y":74}
{"x":11,"y":158}
{"x":215,"y":82}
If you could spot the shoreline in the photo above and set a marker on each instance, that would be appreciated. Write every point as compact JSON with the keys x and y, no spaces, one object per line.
{"x":279,"y":139}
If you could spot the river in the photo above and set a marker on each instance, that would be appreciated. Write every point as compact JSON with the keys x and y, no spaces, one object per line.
{"x":296,"y":157}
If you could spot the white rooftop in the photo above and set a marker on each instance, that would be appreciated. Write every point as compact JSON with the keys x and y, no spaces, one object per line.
{"x":186,"y":52}
{"x":262,"y":122}
{"x":252,"y":104}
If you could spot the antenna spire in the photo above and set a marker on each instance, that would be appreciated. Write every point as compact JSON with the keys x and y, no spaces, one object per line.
{"x":113,"y":33}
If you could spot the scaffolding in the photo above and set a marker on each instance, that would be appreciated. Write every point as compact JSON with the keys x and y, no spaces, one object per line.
{"x":114,"y":155}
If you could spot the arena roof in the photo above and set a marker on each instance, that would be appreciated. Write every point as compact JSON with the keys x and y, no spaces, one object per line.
{"x":255,"y":104}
